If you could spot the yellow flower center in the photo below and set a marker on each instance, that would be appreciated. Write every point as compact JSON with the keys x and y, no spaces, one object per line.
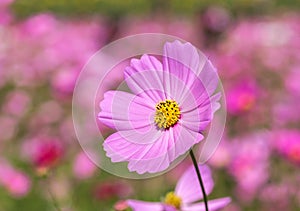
{"x":172,"y":199}
{"x":167,"y":114}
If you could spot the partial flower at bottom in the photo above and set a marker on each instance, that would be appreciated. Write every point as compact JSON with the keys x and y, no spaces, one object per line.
{"x":185,"y":196}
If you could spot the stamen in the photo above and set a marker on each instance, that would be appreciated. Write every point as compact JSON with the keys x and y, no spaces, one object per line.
{"x":172,"y":199}
{"x":167,"y":114}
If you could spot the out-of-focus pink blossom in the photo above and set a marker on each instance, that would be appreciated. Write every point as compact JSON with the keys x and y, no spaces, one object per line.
{"x":272,"y":194}
{"x":284,"y":108}
{"x":18,"y":184}
{"x":63,"y":83}
{"x":112,"y":189}
{"x":287,"y":144}
{"x":8,"y":127}
{"x":162,"y":25}
{"x":39,"y":25}
{"x":17,"y":103}
{"x":44,"y":152}
{"x":49,"y":112}
{"x":253,"y":47}
{"x":49,"y":46}
{"x":232,"y":207}
{"x":216,"y":19}
{"x":292,"y":81}
{"x":15,"y":182}
{"x":222,"y":156}
{"x":121,"y":206}
{"x":250,"y":163}
{"x":5,"y":17}
{"x":66,"y":130}
{"x":241,"y":98}
{"x":5,"y":14}
{"x":230,"y":64}
{"x":83,"y":167}
{"x":5,"y":3}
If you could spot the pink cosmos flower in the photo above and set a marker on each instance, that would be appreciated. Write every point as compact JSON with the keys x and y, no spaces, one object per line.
{"x":171,"y":104}
{"x":187,"y":192}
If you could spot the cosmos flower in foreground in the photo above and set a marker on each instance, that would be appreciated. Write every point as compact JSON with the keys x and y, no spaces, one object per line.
{"x":171,"y":104}
{"x":186,"y":193}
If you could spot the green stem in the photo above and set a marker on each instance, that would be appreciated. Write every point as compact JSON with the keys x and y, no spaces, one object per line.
{"x":46,"y":183}
{"x":55,"y":203}
{"x":199,"y":178}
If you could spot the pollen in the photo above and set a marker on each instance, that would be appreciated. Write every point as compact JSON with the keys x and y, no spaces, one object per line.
{"x":172,"y":199}
{"x":167,"y":114}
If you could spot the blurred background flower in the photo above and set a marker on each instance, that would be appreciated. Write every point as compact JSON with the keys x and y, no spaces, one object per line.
{"x":44,"y":45}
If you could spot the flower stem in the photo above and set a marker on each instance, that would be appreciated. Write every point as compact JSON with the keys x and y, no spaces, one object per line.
{"x":46,"y":184}
{"x":199,"y":178}
{"x":55,"y":203}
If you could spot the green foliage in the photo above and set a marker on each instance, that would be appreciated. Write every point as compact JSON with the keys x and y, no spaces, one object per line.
{"x":118,"y":8}
{"x":113,"y":9}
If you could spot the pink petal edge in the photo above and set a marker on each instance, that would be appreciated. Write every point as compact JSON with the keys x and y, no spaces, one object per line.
{"x":137,"y":205}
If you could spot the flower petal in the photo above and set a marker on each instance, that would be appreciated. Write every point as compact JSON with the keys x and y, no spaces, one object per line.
{"x":212,"y":205}
{"x":143,"y":78}
{"x":209,"y":77}
{"x":215,"y":101}
{"x":124,"y":111}
{"x":144,"y":206}
{"x":185,"y":138}
{"x":155,"y":151}
{"x":199,"y":117}
{"x":191,"y":79}
{"x":184,"y":59}
{"x":142,"y":158}
{"x":179,"y":60}
{"x":188,"y":187}
{"x":174,"y":143}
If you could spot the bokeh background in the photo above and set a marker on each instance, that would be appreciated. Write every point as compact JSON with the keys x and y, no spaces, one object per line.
{"x":44,"y":45}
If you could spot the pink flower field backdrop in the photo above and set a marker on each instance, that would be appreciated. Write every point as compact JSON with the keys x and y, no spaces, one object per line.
{"x":256,"y":53}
